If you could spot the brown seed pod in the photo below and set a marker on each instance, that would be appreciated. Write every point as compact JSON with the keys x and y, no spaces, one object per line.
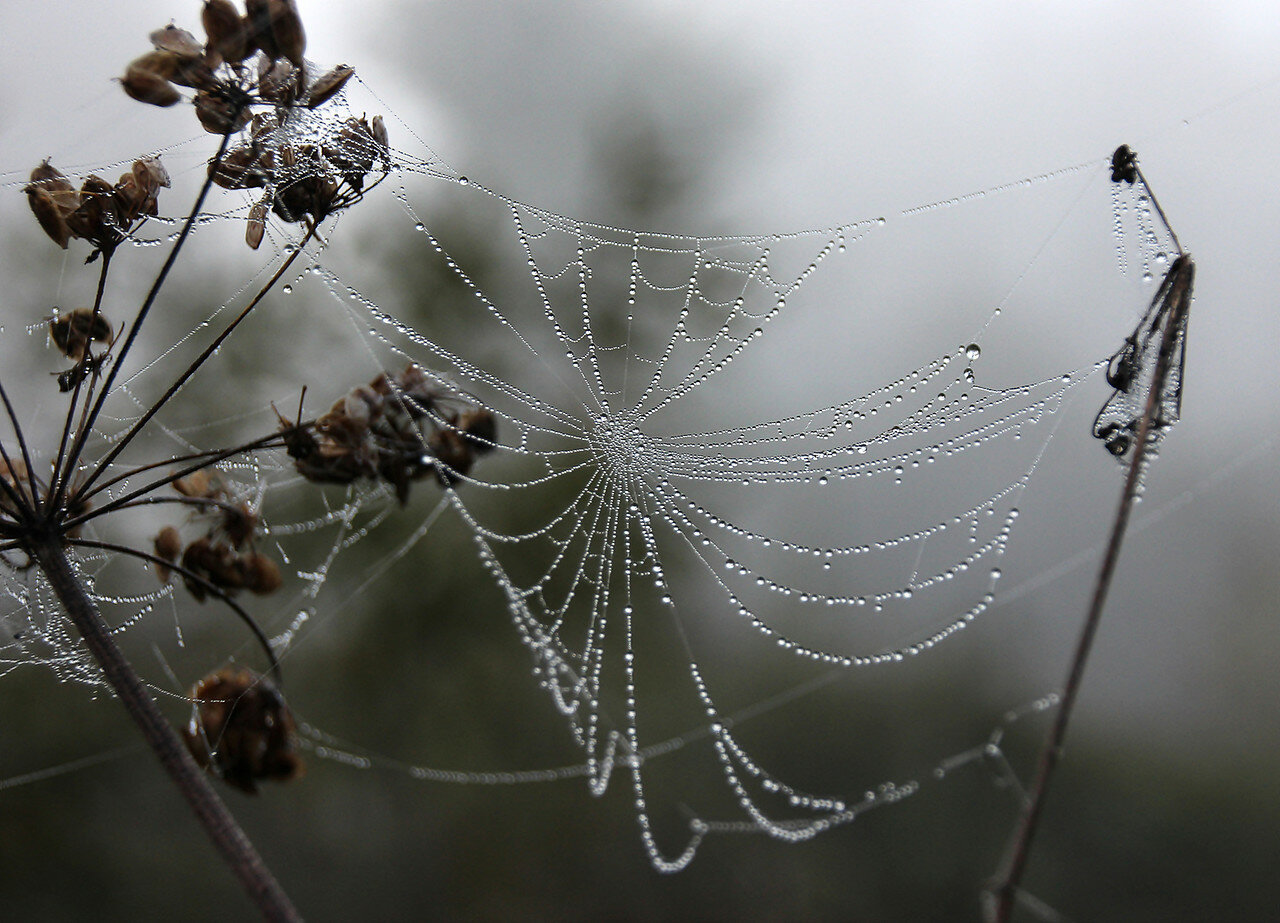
{"x":480,"y":430}
{"x":279,"y":84}
{"x":261,"y":574}
{"x":167,"y":545}
{"x":50,"y":216}
{"x":178,"y":41}
{"x":226,"y":31}
{"x":241,"y":729}
{"x":51,"y":180}
{"x":145,"y":84}
{"x":378,"y":129}
{"x":202,"y":483}
{"x":218,"y":114}
{"x":328,"y":85}
{"x":256,"y":226}
{"x":72,"y":332}
{"x":286,"y":29}
{"x":243,"y":167}
{"x":257,"y":25}
{"x":238,"y":523}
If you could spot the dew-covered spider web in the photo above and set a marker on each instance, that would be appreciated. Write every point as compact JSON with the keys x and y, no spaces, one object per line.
{"x":709,"y":449}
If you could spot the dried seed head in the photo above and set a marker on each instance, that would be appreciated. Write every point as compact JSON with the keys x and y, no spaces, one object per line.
{"x":242,"y":730}
{"x":98,"y":218}
{"x":72,"y":332}
{"x":328,"y":85}
{"x":146,"y":85}
{"x":226,"y":31}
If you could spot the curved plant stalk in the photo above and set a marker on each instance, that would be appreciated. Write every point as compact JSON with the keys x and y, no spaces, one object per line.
{"x":227,"y":836}
{"x":1003,"y":895}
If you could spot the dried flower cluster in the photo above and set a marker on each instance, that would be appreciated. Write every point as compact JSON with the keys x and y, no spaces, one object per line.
{"x":98,"y":212}
{"x":302,"y":181}
{"x":224,"y":555}
{"x":241,"y":729}
{"x":224,"y":87}
{"x":396,"y":429}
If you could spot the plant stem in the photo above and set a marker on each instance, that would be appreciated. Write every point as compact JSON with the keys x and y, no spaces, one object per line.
{"x":1004,"y":894}
{"x":227,"y":836}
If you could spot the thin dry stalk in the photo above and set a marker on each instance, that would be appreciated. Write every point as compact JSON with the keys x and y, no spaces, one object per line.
{"x":1004,"y":895}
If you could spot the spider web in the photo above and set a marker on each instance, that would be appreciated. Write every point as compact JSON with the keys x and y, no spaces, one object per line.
{"x":663,"y":485}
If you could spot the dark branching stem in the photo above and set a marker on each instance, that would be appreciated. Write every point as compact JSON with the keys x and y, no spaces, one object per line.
{"x":197,"y":362}
{"x":86,"y":426}
{"x":25,"y":504}
{"x":1004,"y":894}
{"x":203,"y":460}
{"x":75,"y":396}
{"x":212,"y":813}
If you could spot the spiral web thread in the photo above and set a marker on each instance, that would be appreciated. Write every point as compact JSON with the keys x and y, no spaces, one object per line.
{"x":608,"y":494}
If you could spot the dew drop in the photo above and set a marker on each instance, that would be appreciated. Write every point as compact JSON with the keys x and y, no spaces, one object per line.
{"x":972,"y":351}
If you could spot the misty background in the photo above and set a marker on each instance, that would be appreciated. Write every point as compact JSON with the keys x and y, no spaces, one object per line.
{"x":718,"y":118}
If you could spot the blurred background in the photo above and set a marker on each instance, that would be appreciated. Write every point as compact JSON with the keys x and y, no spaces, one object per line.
{"x":718,"y":118}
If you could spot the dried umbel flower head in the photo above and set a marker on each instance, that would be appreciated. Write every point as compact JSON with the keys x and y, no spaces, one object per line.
{"x":397,"y":429}
{"x":101,"y":213}
{"x":241,"y":729}
{"x":225,"y":88}
{"x":306,"y":182}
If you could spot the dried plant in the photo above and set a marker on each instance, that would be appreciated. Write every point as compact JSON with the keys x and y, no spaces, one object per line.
{"x":251,"y":86}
